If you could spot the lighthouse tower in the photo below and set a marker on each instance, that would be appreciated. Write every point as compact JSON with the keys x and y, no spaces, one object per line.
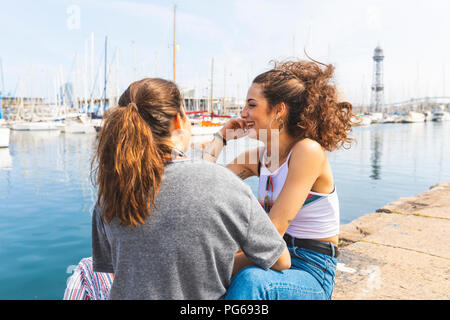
{"x":377,"y":98}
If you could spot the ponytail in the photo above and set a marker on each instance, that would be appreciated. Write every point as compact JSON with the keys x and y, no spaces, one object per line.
{"x":130,"y":162}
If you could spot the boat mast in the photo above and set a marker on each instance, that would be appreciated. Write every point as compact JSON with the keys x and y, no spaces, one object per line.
{"x":75,"y":91}
{"x":63,"y":93}
{"x":91,"y":102}
{"x":2,"y":91}
{"x":85,"y":71}
{"x":3,"y":79}
{"x":443,"y":79}
{"x":117,"y":76}
{"x":212,"y":78}
{"x":224,"y":89}
{"x":106,"y":69}
{"x":174,"y":41}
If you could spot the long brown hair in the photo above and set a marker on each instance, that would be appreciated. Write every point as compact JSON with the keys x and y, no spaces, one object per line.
{"x":312,"y":101}
{"x":128,"y":164}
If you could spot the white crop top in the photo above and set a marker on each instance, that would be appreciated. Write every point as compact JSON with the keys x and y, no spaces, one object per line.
{"x":319,"y":215}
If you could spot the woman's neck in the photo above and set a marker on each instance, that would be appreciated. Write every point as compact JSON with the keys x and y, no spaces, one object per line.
{"x":279,"y":147}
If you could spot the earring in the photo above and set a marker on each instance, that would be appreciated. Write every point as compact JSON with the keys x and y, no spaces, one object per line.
{"x":280,"y":123}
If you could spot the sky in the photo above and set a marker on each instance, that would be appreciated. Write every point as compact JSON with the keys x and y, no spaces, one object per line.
{"x":45,"y":43}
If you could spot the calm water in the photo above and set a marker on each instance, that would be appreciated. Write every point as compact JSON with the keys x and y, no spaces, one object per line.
{"x":46,"y":196}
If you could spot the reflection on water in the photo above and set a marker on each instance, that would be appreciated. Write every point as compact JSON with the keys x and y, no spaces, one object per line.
{"x":5,"y":159}
{"x":45,"y":204}
{"x":375,"y":156}
{"x":46,"y":196}
{"x":389,"y":161}
{"x":45,"y":156}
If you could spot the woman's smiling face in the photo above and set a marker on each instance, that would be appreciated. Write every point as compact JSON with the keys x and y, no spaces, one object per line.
{"x":256,"y":112}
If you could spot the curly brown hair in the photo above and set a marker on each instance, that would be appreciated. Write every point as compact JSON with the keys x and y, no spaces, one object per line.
{"x":311,"y":98}
{"x":129,"y":161}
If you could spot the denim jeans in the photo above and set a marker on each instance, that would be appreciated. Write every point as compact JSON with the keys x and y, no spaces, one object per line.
{"x":311,"y":277}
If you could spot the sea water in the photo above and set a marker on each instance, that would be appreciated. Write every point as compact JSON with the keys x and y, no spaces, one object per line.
{"x":46,"y":196}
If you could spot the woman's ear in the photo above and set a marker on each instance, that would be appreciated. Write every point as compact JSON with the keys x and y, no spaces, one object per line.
{"x":281,"y":110}
{"x":177,"y":122}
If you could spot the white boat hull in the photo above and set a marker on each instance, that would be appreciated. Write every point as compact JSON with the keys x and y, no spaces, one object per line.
{"x":414,"y":117}
{"x":441,"y":116}
{"x":4,"y":137}
{"x":376,"y":117}
{"x":79,"y":128}
{"x":35,"y":126}
{"x":360,"y":121}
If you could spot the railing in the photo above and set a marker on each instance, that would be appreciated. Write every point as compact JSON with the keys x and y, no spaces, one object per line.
{"x":414,"y":104}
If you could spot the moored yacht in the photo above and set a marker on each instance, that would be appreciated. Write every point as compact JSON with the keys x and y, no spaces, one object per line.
{"x":387,"y":118}
{"x":4,"y":137}
{"x":413,"y":116}
{"x":76,"y":127}
{"x":441,"y":116}
{"x":376,"y":117}
{"x":361,"y":120}
{"x":35,"y":126}
{"x":428,"y":115}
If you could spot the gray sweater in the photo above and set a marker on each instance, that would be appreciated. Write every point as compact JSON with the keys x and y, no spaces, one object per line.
{"x":204,"y":214}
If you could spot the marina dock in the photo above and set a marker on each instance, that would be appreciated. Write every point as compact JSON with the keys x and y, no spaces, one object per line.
{"x":402,"y":251}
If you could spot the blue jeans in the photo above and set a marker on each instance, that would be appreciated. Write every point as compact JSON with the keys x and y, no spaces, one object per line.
{"x":311,"y":277}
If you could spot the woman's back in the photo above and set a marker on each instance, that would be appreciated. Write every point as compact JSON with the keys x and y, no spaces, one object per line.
{"x":204,"y":214}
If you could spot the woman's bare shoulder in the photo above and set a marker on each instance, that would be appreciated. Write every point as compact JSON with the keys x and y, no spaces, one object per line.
{"x":308,"y":148}
{"x":308,"y":144}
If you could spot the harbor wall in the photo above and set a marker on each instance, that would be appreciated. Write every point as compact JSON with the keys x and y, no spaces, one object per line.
{"x":400,"y":252}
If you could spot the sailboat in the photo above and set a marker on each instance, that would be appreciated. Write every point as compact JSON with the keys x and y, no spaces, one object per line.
{"x":376,"y":117}
{"x":202,"y":130}
{"x":441,"y":116}
{"x":29,"y":120}
{"x":361,"y":120}
{"x":412,"y":117}
{"x":210,"y":123}
{"x":428,"y":115}
{"x":4,"y":132}
{"x":4,"y":137}
{"x":388,"y":118}
{"x":82,"y":125}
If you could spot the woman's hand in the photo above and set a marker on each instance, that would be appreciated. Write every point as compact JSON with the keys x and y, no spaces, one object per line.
{"x":234,"y":129}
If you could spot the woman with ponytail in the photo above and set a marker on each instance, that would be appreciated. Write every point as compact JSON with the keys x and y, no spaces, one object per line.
{"x":166,"y":226}
{"x":294,"y":110}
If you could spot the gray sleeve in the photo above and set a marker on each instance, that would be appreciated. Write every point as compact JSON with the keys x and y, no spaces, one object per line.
{"x":264,"y":245}
{"x":101,"y":249}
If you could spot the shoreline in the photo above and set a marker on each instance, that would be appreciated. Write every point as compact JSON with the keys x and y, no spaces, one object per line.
{"x":400,"y":252}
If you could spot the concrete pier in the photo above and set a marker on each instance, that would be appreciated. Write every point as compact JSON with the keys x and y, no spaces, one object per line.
{"x":402,"y":251}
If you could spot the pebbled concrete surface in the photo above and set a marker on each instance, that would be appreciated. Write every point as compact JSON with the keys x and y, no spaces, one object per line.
{"x":402,"y":251}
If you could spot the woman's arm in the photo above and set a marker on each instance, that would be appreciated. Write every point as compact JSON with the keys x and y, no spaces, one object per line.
{"x":241,"y":261}
{"x":232,"y":129}
{"x":244,"y":165}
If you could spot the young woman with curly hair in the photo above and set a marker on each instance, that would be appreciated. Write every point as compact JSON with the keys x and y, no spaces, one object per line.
{"x":294,"y":109}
